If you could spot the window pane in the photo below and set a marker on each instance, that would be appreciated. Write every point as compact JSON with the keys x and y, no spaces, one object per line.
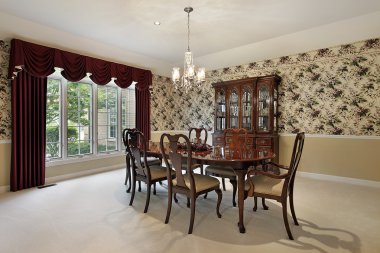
{"x":107,"y":118}
{"x":102,"y":145}
{"x":79,"y":105}
{"x":53,"y":119}
{"x":128,"y":108}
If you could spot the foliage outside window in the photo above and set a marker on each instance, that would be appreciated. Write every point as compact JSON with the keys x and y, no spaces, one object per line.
{"x":79,"y":111}
{"x":53,"y":119}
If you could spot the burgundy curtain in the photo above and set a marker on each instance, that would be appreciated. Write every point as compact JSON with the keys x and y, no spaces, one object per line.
{"x":28,"y":131}
{"x":34,"y":63}
{"x":143,"y":105}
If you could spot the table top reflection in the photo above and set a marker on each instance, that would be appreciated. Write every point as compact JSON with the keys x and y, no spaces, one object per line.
{"x":211,"y":155}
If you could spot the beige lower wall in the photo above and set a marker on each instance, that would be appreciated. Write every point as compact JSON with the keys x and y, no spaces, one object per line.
{"x":71,"y":168}
{"x":351,"y":157}
{"x":5,"y":163}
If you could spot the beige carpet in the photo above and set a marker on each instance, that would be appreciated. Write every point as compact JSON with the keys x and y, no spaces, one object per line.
{"x":91,"y":214}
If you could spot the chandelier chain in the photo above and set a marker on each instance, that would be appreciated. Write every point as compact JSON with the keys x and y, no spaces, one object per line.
{"x":188,"y":31}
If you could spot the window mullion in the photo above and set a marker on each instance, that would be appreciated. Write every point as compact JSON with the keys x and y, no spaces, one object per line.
{"x":119,"y":121}
{"x":64,"y":114}
{"x":95,"y":119}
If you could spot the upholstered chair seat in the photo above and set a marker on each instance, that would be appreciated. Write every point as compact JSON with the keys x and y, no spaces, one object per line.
{"x":202,"y":182}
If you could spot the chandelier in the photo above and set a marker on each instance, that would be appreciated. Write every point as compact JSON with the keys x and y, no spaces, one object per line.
{"x":191,"y":75}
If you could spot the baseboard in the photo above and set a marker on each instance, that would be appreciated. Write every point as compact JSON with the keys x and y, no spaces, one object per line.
{"x":50,"y":180}
{"x":347,"y":180}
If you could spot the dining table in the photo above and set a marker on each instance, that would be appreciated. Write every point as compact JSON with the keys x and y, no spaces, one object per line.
{"x":240,"y":166}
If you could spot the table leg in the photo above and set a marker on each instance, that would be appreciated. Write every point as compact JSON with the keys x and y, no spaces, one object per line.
{"x":240,"y":182}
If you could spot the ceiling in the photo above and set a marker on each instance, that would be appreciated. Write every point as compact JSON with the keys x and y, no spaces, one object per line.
{"x":216,"y":25}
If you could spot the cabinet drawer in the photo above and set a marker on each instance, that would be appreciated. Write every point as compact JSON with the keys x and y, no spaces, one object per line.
{"x":263,"y":142}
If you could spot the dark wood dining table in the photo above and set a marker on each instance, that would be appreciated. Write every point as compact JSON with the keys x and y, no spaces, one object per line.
{"x":240,"y":166}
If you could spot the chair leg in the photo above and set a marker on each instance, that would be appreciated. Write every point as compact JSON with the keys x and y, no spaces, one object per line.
{"x":128,"y":175}
{"x":265,"y":207}
{"x":169,"y":206}
{"x":139,"y":186}
{"x":285,"y":216}
{"x":192,"y":214}
{"x":154,"y":189}
{"x":188,"y":202}
{"x":175,"y":198}
{"x":219,"y":192}
{"x":234,"y":188}
{"x":292,"y":208}
{"x":223,"y":184}
{"x":205,"y":196}
{"x":148,"y":190}
{"x":133,"y":189}
{"x":255,"y":206}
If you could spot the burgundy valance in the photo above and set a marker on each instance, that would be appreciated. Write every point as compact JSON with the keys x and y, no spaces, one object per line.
{"x":40,"y":61}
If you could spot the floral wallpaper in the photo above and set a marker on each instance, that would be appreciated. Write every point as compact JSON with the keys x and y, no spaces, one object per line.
{"x":5,"y":92}
{"x":333,"y":91}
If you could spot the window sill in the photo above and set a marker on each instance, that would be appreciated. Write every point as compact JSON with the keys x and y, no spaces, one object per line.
{"x":86,"y":158}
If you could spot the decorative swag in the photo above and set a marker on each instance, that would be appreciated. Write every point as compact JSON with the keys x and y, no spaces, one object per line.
{"x":36,"y":62}
{"x":39,"y":61}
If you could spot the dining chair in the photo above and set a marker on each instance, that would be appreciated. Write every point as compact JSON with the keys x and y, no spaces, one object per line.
{"x":142,"y":171}
{"x":198,"y":135}
{"x":274,"y":181}
{"x":152,"y":160}
{"x":185,"y":182}
{"x":235,"y":146}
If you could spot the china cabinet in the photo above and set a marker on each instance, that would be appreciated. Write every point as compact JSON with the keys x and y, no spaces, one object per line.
{"x":250,"y":103}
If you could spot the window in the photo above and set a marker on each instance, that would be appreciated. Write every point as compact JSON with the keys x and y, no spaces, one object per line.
{"x":84,"y":119}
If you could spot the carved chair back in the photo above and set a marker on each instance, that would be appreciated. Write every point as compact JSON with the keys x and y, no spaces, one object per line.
{"x":136,"y":147}
{"x":198,"y":134}
{"x":176,"y":158}
{"x":295,"y":160}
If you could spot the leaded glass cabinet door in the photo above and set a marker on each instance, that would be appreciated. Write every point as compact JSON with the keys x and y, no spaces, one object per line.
{"x":246,"y":106}
{"x":220,"y":110}
{"x":263,"y":107}
{"x":234,"y":109}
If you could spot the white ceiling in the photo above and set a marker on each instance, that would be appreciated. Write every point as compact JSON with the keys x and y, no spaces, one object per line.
{"x":216,"y":25}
